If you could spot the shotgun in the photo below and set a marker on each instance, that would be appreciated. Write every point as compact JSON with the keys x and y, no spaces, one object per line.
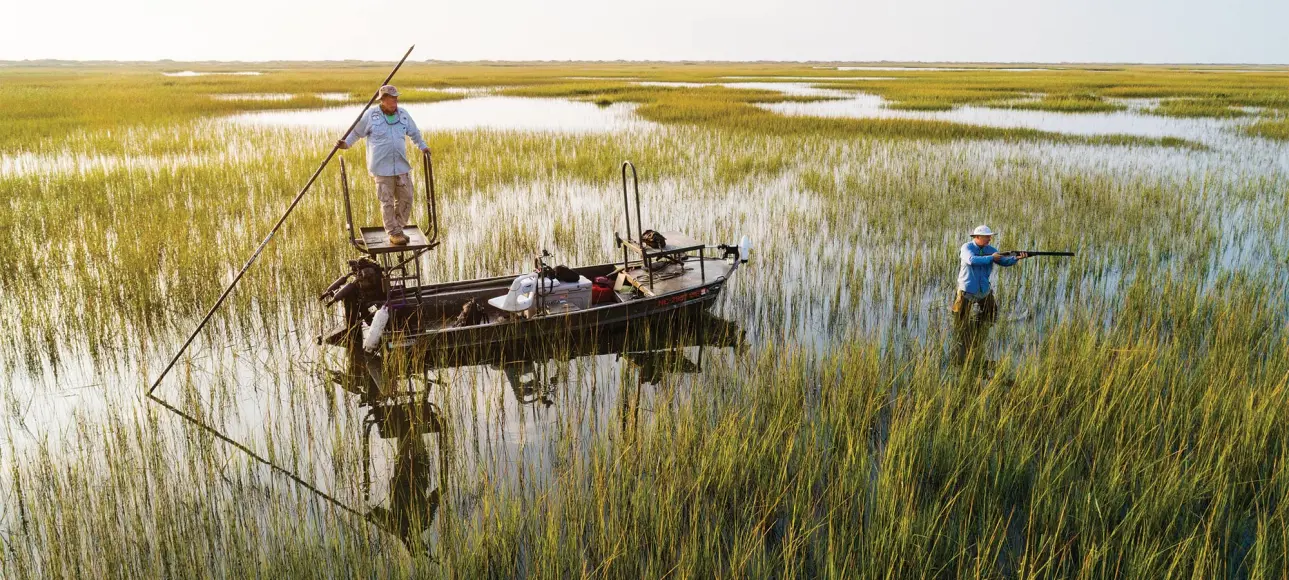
{"x":1036,"y":253}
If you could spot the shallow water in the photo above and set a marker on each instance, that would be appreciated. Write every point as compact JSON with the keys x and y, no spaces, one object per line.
{"x":824,"y":271}
{"x":794,"y":89}
{"x":487,"y":112}
{"x":1130,"y":122}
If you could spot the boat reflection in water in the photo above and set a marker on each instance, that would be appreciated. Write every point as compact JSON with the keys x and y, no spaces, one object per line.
{"x":394,"y":391}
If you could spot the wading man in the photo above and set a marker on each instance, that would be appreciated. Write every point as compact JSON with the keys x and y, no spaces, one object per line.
{"x":386,"y":129}
{"x":977,"y":259}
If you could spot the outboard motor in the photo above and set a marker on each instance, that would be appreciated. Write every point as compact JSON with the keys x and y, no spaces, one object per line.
{"x":363,"y":284}
{"x":740,"y":253}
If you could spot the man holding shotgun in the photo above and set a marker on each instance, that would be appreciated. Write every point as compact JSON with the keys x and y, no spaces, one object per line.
{"x":386,"y":129}
{"x":977,"y":259}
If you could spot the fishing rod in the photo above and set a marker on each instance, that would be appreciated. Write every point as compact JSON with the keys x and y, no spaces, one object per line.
{"x":256,"y":255}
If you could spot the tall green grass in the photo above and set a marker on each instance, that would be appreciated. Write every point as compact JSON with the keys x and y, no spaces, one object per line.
{"x":1108,"y":450}
{"x":1125,"y":418}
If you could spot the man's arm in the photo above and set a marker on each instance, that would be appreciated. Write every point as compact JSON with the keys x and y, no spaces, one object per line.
{"x":1007,"y":261}
{"x":360,"y":131}
{"x":970,"y":259}
{"x":415,"y":134}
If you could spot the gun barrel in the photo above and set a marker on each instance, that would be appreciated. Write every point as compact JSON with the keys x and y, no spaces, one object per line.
{"x":1039,"y":253}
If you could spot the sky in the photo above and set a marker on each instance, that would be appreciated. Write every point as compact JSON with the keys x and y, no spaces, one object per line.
{"x":1148,"y":31}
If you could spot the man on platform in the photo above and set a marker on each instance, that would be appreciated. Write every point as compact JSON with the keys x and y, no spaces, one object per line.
{"x":386,"y":129}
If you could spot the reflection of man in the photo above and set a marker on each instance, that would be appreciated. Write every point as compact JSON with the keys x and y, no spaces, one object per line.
{"x":411,"y":508}
{"x":386,"y":128}
{"x":977,"y":259}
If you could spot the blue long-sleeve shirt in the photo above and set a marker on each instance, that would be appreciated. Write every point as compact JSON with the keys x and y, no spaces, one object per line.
{"x":977,"y":266}
{"x":386,"y":144}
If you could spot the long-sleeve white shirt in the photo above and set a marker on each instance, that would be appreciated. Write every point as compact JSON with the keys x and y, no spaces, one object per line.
{"x":386,"y":144}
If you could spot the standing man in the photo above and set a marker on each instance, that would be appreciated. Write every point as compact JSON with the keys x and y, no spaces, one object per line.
{"x":385,"y":129}
{"x":977,"y":260}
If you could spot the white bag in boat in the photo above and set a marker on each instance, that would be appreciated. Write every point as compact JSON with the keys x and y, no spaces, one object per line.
{"x":372,"y":339}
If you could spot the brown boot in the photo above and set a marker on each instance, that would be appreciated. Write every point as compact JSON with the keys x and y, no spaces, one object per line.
{"x":398,"y":239}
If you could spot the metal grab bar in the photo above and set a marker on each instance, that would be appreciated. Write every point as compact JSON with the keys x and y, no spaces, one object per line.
{"x":626,"y":202}
{"x":431,"y":204}
{"x":349,"y":211}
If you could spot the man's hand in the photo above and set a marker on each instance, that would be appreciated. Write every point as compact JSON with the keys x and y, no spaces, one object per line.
{"x":425,"y":149}
{"x":1022,"y":255}
{"x":341,"y":144}
{"x":997,"y":257}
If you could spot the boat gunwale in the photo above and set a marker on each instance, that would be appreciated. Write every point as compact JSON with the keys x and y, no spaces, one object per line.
{"x":648,"y":303}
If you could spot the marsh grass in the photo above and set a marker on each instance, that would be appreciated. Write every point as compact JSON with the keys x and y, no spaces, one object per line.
{"x":1270,"y":127}
{"x":1196,"y":108}
{"x":1110,"y":450}
{"x":1126,"y":417}
{"x":1068,"y":103}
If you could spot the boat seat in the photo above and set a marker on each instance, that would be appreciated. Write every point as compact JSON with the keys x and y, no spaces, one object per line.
{"x":677,"y":243}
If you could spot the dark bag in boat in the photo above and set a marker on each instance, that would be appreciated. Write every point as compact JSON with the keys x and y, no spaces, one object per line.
{"x":653,"y":239}
{"x":566,"y":274}
{"x":472,"y":314}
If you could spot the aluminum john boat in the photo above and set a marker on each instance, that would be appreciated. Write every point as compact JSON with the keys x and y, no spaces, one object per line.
{"x":386,"y":304}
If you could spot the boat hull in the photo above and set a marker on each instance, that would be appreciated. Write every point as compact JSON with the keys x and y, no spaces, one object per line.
{"x":418,"y":324}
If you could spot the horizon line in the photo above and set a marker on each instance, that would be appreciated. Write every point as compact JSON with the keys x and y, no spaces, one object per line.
{"x":33,"y":62}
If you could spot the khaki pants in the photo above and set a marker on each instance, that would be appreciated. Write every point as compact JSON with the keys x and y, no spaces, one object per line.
{"x":395,"y":194}
{"x":962,"y":308}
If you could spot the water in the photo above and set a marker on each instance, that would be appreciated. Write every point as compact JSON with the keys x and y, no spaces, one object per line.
{"x":1129,"y":122}
{"x":25,"y":163}
{"x":826,"y":269}
{"x":487,"y":112}
{"x":794,"y":89}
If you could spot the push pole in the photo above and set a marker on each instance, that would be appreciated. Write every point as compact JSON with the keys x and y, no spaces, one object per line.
{"x":256,"y":255}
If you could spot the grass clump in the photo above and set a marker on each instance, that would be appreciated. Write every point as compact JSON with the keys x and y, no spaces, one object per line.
{"x":1197,"y":108}
{"x":1067,"y":103}
{"x":1270,"y":127}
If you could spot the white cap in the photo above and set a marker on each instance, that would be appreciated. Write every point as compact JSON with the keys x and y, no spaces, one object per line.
{"x":983,"y":231}
{"x":388,"y":90}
